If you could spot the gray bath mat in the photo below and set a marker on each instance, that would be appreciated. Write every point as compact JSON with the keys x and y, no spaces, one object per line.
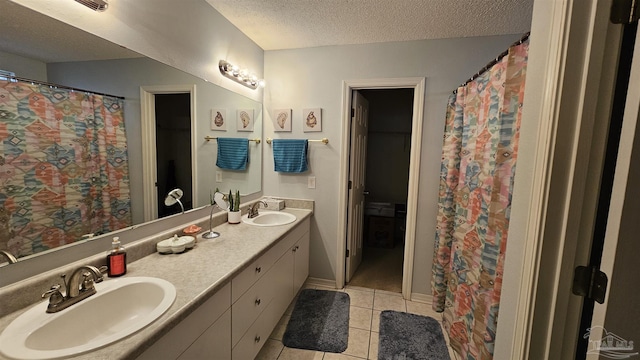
{"x":410,"y":336}
{"x":319,"y":321}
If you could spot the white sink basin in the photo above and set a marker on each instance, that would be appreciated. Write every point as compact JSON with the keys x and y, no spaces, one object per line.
{"x":119,"y":308}
{"x":270,"y":218}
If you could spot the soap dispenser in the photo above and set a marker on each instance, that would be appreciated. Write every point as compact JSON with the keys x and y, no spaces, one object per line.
{"x":116,"y":259}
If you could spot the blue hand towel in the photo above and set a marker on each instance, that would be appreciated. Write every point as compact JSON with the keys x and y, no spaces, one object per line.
{"x":233,"y":153}
{"x":290,"y":155}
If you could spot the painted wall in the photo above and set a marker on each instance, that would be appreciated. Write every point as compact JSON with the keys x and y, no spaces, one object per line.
{"x":23,"y":67}
{"x":189,"y":34}
{"x":312,"y":77}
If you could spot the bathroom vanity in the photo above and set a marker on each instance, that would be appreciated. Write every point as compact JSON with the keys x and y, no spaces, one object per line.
{"x":230,"y":292}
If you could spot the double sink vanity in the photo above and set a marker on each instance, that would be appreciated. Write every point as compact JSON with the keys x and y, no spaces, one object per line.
{"x":219,"y":300}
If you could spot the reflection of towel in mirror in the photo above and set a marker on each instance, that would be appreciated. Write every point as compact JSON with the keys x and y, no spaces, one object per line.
{"x":233,"y":153}
{"x":290,"y":155}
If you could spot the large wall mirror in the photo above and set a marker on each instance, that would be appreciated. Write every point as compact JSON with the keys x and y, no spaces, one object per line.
{"x":183,"y":107}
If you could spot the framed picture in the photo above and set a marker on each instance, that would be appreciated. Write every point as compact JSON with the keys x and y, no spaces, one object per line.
{"x":219,"y":119}
{"x":282,"y":120}
{"x":245,"y":120}
{"x":312,"y":120}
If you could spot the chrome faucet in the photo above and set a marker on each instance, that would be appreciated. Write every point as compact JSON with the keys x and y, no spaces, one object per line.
{"x":253,"y":209}
{"x":10,"y":258}
{"x":79,"y":287}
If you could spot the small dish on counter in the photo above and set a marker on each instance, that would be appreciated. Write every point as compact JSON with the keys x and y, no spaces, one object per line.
{"x":191,"y":230}
{"x":176,"y":244}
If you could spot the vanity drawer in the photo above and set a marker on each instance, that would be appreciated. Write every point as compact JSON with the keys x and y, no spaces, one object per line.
{"x":245,"y":279}
{"x":255,"y":337}
{"x":251,"y":304}
{"x":277,"y":289}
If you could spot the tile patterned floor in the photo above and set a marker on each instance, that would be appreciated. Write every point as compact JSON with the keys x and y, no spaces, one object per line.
{"x":364,"y":320}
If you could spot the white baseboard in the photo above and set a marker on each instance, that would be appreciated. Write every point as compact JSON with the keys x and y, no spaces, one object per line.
{"x":321,"y":282}
{"x":424,"y":298}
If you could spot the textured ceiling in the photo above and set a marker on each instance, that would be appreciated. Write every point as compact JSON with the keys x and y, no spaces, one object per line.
{"x":290,"y":24}
{"x":285,"y":24}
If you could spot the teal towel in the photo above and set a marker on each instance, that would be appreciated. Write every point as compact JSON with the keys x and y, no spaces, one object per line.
{"x":233,"y":153}
{"x":290,"y":155}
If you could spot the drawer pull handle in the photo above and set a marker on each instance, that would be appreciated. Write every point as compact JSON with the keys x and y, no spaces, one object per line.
{"x":258,"y":269}
{"x":257,"y":339}
{"x":258,"y":301}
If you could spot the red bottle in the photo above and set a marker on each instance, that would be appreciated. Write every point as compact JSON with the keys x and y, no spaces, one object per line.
{"x":116,"y":259}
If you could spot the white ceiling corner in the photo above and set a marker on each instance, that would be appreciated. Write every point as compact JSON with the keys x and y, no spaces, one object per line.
{"x":289,"y":24}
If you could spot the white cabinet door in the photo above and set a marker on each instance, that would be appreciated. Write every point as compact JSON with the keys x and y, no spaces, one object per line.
{"x":301,"y":263}
{"x":178,"y":339}
{"x":214,"y":343}
{"x":283,"y":284}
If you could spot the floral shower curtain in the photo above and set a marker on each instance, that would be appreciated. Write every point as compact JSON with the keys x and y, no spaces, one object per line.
{"x":478,"y":165}
{"x":63,"y":166}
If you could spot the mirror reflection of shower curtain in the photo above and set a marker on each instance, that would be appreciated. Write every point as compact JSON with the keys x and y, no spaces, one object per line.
{"x":64,"y":169}
{"x":476,"y":182}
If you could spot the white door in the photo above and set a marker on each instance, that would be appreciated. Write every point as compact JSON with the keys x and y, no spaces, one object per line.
{"x":614,"y":325}
{"x":357,"y":167}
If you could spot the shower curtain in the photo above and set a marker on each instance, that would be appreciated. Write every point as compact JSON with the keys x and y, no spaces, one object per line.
{"x":63,"y":166}
{"x":478,"y":164}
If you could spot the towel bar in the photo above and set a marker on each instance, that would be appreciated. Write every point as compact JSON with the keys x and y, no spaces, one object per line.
{"x":323,"y":140}
{"x":215,"y":138}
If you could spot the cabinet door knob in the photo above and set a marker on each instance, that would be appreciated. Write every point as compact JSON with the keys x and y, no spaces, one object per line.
{"x":257,"y":339}
{"x":258,"y":301}
{"x":258,"y":269}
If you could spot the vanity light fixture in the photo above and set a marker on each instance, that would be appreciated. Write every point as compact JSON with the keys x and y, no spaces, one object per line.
{"x":96,"y":5}
{"x":239,"y":75}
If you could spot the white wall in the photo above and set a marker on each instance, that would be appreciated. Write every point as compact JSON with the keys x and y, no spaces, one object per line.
{"x":188,"y":34}
{"x":304,"y":78}
{"x":23,"y":67}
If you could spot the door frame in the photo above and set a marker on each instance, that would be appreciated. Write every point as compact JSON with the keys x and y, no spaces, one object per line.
{"x":149,"y":166}
{"x":554,"y":201}
{"x":348,"y":86}
{"x":619,"y":193}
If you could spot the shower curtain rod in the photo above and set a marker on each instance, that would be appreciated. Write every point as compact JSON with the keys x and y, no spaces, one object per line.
{"x":63,"y":87}
{"x":494,"y":61}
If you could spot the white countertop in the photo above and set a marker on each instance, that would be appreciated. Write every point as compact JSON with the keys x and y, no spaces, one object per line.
{"x":196,"y":274}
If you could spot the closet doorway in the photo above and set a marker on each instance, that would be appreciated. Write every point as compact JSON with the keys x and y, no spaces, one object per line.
{"x":388,"y":151}
{"x":379,"y":224}
{"x":156,"y":168}
{"x":173,"y":150}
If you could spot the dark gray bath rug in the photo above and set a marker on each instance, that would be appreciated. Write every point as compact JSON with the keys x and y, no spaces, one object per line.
{"x":319,"y":321}
{"x":410,"y":336}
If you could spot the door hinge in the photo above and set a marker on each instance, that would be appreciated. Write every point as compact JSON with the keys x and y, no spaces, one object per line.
{"x":624,"y":11}
{"x":347,"y":252}
{"x":590,"y":282}
{"x":349,"y":184}
{"x":353,"y":112}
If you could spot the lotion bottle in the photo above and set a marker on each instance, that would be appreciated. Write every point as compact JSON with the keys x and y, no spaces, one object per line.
{"x":116,"y":259}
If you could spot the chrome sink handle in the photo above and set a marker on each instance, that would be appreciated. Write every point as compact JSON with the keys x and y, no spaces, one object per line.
{"x":54,"y":294}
